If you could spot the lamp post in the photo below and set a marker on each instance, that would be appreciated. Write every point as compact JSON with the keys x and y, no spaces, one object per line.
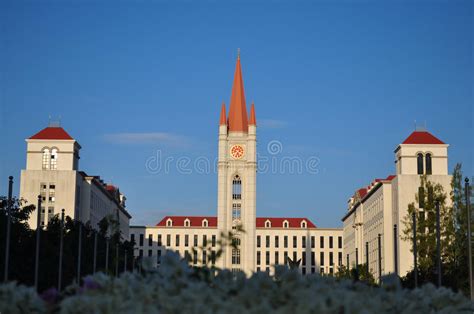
{"x":61,"y":239}
{"x":467,"y":191}
{"x":415,"y":266}
{"x":38,"y":233}
{"x":94,"y":264}
{"x":379,"y":238}
{"x":7,"y":244}
{"x":79,"y":253}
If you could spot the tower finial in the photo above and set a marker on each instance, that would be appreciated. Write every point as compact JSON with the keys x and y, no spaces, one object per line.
{"x":238,"y":53}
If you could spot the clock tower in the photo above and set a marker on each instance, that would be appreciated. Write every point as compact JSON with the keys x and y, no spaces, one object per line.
{"x":237,"y":170}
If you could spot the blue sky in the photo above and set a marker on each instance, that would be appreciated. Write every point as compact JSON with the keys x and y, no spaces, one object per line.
{"x":338,"y":81}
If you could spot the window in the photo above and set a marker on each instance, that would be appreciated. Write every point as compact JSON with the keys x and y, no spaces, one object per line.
{"x":303,"y":224}
{"x":195,"y":257}
{"x":205,"y":223}
{"x":303,"y":256}
{"x":321,"y":242}
{"x":54,"y":159}
{"x":168,"y":240}
{"x":258,"y":241}
{"x":285,"y":241}
{"x":204,"y":257}
{"x":236,"y":188}
{"x":276,"y":258}
{"x":295,"y":241}
{"x":132,"y":238}
{"x":258,"y":258}
{"x":430,"y":194}
{"x":419,"y":163}
{"x":177,"y":240}
{"x":312,"y":242}
{"x":303,"y":242}
{"x":195,"y":240}
{"x":235,"y":256}
{"x":140,"y":253}
{"x":285,"y":224}
{"x":339,"y":258}
{"x":204,"y":240}
{"x":285,"y":257}
{"x":267,"y":258}
{"x":213,"y":257}
{"x":236,"y":211}
{"x":169,"y":223}
{"x":158,"y":257}
{"x":276,"y":241}
{"x":313,"y":260}
{"x":150,"y":240}
{"x":268,"y":224}
{"x":339,"y":242}
{"x":141,"y":239}
{"x":428,"y":163}
{"x":303,"y":271}
{"x":267,"y":241}
{"x":186,"y":240}
{"x":150,"y":253}
{"x":187,"y":223}
{"x":159,"y":240}
{"x":330,"y":242}
{"x":294,"y":256}
{"x":331,"y":259}
{"x":421,"y":197}
{"x":213,"y":240}
{"x":313,"y":270}
{"x":321,"y":258}
{"x":46,"y":158}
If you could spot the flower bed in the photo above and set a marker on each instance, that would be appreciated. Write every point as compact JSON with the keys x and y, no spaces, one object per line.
{"x":177,"y":288}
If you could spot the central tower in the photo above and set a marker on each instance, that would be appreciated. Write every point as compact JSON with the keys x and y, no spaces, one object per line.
{"x":237,"y":170}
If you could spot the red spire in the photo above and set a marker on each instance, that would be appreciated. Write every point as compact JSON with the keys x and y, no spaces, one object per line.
{"x":238,"y":110}
{"x":223,"y":117}
{"x":252,"y":119}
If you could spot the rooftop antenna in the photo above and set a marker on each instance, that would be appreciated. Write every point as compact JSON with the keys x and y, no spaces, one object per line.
{"x":238,"y":53}
{"x":54,"y":123}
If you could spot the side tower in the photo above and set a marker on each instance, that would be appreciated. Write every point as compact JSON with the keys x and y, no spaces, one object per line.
{"x":237,"y":169}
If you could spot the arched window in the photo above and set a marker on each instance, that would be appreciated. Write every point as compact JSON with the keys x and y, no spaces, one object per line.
{"x":46,"y":158}
{"x":236,"y":207}
{"x":54,"y":158}
{"x":303,"y":224}
{"x":268,"y":224}
{"x":169,"y":223}
{"x":187,"y":223}
{"x":285,"y":224}
{"x":419,"y":162}
{"x":236,"y":188}
{"x":428,"y":163}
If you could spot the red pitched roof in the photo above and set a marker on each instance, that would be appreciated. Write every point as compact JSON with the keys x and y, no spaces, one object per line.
{"x":237,"y":110}
{"x":196,"y":221}
{"x":277,"y":222}
{"x":52,"y":133}
{"x":422,"y":137}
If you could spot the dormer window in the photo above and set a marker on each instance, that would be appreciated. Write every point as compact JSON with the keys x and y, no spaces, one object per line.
{"x":169,"y":223}
{"x":304,"y":224}
{"x":187,"y":223}
{"x":286,"y":224}
{"x":268,"y":224}
{"x":205,"y":223}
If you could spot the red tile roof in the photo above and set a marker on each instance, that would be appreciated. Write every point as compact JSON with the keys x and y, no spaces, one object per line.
{"x":422,"y":137}
{"x":277,"y":222}
{"x":196,"y":221}
{"x":52,"y":133}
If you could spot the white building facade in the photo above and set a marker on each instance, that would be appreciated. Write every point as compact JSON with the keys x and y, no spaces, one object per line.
{"x":52,"y":172}
{"x":379,"y":209}
{"x":265,"y":242}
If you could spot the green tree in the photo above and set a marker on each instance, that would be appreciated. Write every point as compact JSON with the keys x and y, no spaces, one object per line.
{"x":425,"y":209}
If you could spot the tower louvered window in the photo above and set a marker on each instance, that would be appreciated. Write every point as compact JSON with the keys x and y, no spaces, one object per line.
{"x":236,"y":188}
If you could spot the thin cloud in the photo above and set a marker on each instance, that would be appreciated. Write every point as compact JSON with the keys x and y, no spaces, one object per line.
{"x":271,"y":123}
{"x":147,"y":138}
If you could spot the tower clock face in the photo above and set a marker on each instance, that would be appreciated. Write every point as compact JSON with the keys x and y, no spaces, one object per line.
{"x":237,"y":151}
